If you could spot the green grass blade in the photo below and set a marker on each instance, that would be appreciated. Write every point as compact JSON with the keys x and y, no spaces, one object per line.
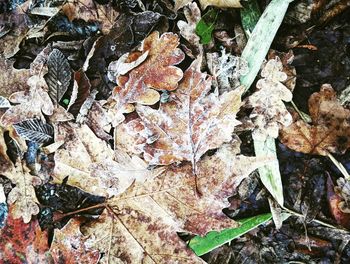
{"x":254,"y":53}
{"x":203,"y":245}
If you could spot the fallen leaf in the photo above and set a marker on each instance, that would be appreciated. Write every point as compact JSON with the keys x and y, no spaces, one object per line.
{"x":81,"y":91}
{"x":122,"y":67}
{"x":90,"y":11}
{"x":192,"y":122}
{"x":158,"y":208}
{"x":23,"y":242}
{"x":92,"y":165}
{"x":220,"y":3}
{"x":204,"y":3}
{"x":269,"y":112}
{"x":22,"y":197}
{"x":156,"y":72}
{"x":31,"y":104}
{"x":14,"y":81}
{"x":206,"y":25}
{"x":227,"y":69}
{"x":330,"y":128}
{"x":188,"y":29}
{"x":70,"y":246}
{"x":58,"y":76}
{"x":34,"y":130}
{"x":334,"y":202}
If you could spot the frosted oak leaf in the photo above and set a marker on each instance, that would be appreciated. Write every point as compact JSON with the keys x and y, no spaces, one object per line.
{"x":269,"y":112}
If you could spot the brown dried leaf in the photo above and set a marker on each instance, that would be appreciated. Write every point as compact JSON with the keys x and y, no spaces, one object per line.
{"x":91,"y":164}
{"x":70,"y":246}
{"x":14,"y":80}
{"x":81,"y":91}
{"x":220,"y":3}
{"x":90,"y":11}
{"x":269,"y":113}
{"x":330,"y":128}
{"x":145,"y":218}
{"x":22,"y":196}
{"x":188,"y":30}
{"x":191,"y":122}
{"x":32,"y":103}
{"x":157,"y":71}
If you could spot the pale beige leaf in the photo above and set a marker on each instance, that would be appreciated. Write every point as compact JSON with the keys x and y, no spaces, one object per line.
{"x":220,"y":3}
{"x":90,"y":163}
{"x":269,"y":112}
{"x":33,"y":103}
{"x":158,"y":208}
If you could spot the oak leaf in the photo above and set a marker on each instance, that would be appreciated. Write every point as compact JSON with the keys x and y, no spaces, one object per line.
{"x":92,"y":165}
{"x":191,"y":122}
{"x":32,"y":103}
{"x":141,"y":224}
{"x":330,"y":128}
{"x":22,"y":196}
{"x":157,"y":71}
{"x":188,"y":29}
{"x":23,"y":242}
{"x":70,"y":246}
{"x":269,"y":112}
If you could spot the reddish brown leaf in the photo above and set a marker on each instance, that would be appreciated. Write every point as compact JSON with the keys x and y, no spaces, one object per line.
{"x":157,"y":71}
{"x":330,"y":128}
{"x":334,"y":201}
{"x":70,"y":246}
{"x":23,"y":243}
{"x":81,"y":91}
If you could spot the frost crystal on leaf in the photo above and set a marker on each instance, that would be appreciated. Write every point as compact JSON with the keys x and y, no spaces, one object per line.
{"x":269,"y":112}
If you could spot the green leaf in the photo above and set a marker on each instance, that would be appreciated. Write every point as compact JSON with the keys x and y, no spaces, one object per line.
{"x":261,"y":38}
{"x":65,"y":102}
{"x":250,"y":15}
{"x":205,"y":26}
{"x":214,"y":239}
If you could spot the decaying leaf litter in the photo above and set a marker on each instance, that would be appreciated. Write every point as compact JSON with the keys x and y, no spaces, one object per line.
{"x":130,"y":127}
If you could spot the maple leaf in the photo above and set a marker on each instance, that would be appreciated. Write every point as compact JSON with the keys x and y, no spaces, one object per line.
{"x":31,"y":104}
{"x":330,"y":128}
{"x":70,"y":246}
{"x":141,"y":224}
{"x":23,"y":242}
{"x":156,"y":72}
{"x":91,"y":164}
{"x":192,"y":122}
{"x":269,"y":113}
